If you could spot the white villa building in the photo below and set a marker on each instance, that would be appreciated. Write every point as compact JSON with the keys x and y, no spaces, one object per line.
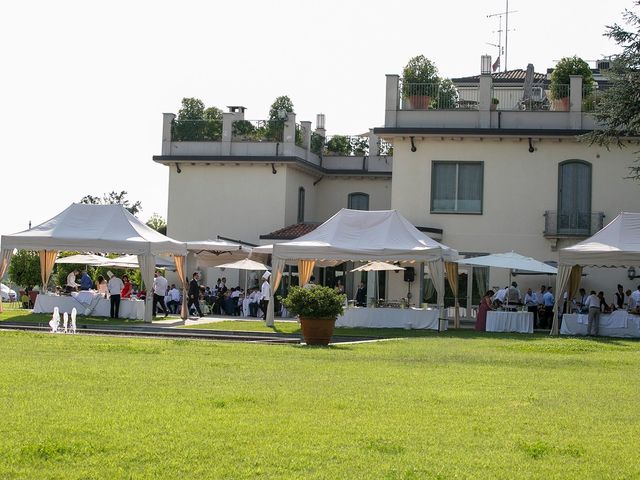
{"x":476,"y":179}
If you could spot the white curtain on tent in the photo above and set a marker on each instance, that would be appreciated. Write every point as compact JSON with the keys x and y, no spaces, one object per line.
{"x":277,"y":267}
{"x":436,"y":272}
{"x":147,"y":268}
{"x":5,"y":258}
{"x":562,"y":282}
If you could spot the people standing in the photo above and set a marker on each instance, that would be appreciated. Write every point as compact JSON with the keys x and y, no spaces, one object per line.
{"x":126,"y":287}
{"x":548,"y":300}
{"x":101,"y":286}
{"x":265,"y":291}
{"x":618,"y":303}
{"x":194,"y":294}
{"x":115,"y":286}
{"x":361,"y":295}
{"x":594,"y":304}
{"x":160,"y":285}
{"x":486,"y":303}
{"x":531,"y":302}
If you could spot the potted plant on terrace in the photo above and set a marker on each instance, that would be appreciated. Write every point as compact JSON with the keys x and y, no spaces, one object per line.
{"x":560,"y":79}
{"x":420,"y":82}
{"x":317,"y":308}
{"x":494,"y":103}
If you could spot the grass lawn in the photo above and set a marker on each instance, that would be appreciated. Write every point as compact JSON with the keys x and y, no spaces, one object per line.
{"x":294,"y":327}
{"x":458,"y":405}
{"x":26,"y":316}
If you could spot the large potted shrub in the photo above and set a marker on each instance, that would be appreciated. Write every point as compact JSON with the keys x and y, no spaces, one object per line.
{"x":560,"y":79}
{"x":317,"y":308}
{"x":420,"y":82}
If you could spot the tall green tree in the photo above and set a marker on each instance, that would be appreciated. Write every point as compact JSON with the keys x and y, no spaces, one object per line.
{"x":24,"y":269}
{"x":197,"y":123}
{"x":618,"y":111}
{"x":277,"y":117}
{"x":114,"y":198}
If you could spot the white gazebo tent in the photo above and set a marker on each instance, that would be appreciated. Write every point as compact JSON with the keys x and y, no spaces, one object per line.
{"x":359,"y":235}
{"x":98,"y":228}
{"x":616,"y":245}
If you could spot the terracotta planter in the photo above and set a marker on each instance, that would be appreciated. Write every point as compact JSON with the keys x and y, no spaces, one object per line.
{"x":561,"y":104}
{"x":317,"y":330}
{"x":419,"y":102}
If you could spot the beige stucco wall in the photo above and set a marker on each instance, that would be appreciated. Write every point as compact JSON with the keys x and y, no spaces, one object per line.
{"x":295,"y":179}
{"x":333,"y":193}
{"x":518,"y":187}
{"x":239,"y":202}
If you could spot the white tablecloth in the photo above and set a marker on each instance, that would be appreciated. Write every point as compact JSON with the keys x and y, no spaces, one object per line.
{"x":616,"y":324}
{"x":101,"y":307}
{"x":390,"y":318}
{"x":520,"y":322}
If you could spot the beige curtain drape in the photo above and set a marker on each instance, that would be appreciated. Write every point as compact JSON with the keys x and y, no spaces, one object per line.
{"x":5,"y":259}
{"x":277,"y":267}
{"x":436,"y":272}
{"x":47,"y":259}
{"x":562,"y":280}
{"x":305,"y":269}
{"x":147,"y":265}
{"x":180,"y":262}
{"x":574,"y":281}
{"x":452,"y":276}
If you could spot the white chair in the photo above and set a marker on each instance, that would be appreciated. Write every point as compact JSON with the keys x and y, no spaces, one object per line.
{"x":74,"y":312}
{"x":65,"y":321}
{"x":55,"y":320}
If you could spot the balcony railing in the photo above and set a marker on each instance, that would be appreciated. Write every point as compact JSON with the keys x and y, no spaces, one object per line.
{"x":258,"y":131}
{"x":572,"y":224}
{"x":590,"y":98}
{"x":428,"y":96}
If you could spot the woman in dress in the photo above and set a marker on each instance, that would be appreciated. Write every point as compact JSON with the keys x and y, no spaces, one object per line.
{"x":126,"y":289}
{"x":483,"y":308}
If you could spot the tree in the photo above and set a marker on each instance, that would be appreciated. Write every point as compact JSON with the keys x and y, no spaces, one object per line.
{"x":195,"y":123}
{"x":24,"y":269}
{"x":113,"y":198}
{"x":618,"y":111}
{"x":158,"y":223}
{"x":561,"y":76}
{"x":277,"y":116}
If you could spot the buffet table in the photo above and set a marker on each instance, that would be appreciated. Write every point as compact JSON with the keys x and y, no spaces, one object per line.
{"x":616,"y":324}
{"x":520,"y":322}
{"x":417,"y":318}
{"x":88,"y":303}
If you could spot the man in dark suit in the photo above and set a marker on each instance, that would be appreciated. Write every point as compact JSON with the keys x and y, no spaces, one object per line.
{"x":194,"y":294}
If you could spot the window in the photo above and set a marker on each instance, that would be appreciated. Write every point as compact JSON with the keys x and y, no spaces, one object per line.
{"x":300,"y":205}
{"x":574,"y":197}
{"x":358,"y":201}
{"x":456,"y":187}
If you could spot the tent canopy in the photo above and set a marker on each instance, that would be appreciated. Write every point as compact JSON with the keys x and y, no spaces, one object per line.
{"x":616,"y":245}
{"x":511,"y":260}
{"x":359,"y":235}
{"x":102,"y":228}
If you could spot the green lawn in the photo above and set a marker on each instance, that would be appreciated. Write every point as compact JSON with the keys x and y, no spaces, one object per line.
{"x":460,"y":405}
{"x":26,"y":316}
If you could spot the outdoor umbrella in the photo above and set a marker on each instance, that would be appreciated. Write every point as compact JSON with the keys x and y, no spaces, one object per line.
{"x":510,"y":260}
{"x":245,"y":264}
{"x":84,"y":258}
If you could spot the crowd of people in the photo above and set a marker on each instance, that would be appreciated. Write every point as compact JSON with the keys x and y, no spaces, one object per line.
{"x":541,"y":304}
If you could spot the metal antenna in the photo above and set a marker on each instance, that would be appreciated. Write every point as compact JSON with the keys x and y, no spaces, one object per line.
{"x":506,"y":32}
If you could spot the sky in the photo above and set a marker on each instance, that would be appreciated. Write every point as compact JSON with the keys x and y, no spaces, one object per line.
{"x":84,"y":84}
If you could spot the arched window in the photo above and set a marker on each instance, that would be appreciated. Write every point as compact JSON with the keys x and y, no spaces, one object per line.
{"x":301,"y":205}
{"x":358,"y":201}
{"x":574,"y":197}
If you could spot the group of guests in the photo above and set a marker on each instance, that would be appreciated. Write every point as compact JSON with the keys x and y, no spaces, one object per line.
{"x":115,"y":288}
{"x":541,"y":305}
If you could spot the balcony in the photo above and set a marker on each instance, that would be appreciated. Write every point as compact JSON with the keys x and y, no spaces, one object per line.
{"x":488,"y":106}
{"x":560,"y":225}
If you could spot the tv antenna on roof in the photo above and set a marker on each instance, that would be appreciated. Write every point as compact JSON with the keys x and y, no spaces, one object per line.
{"x":506,"y":31}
